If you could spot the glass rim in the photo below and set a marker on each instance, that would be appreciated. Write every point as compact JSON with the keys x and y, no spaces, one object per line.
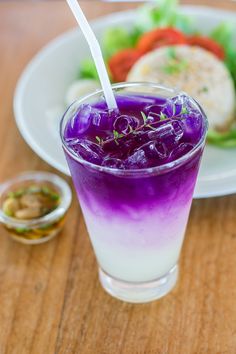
{"x":149,"y":170}
{"x":38,"y":176}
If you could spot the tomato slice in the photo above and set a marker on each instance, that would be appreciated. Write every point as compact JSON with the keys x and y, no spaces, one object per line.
{"x":158,"y":38}
{"x":208,"y":44}
{"x":121,"y":63}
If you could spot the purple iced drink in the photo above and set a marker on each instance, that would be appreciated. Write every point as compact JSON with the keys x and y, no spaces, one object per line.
{"x":134,"y":170}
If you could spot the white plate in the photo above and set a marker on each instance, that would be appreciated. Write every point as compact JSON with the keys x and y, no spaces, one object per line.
{"x":40,"y":92}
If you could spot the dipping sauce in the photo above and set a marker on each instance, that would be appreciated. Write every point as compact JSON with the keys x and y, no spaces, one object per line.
{"x":32,"y":210}
{"x":31,"y":202}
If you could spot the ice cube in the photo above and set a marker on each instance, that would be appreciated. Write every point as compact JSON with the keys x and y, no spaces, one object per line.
{"x":113,"y":163}
{"x":170,"y":129}
{"x":80,"y":122}
{"x":169,"y":109}
{"x":153,"y":113}
{"x":178,"y":129}
{"x":168,"y":134}
{"x":192,"y":127}
{"x":88,"y":151}
{"x":177,"y":105}
{"x":154,"y":150}
{"x":180,"y":102}
{"x":72,"y":141}
{"x":124,"y":124}
{"x":137,"y":160}
{"x":96,"y":118}
{"x":103,"y":119}
{"x":181,"y":150}
{"x":188,"y":117}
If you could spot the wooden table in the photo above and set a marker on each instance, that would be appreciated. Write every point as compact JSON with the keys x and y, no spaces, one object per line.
{"x":50,"y":297}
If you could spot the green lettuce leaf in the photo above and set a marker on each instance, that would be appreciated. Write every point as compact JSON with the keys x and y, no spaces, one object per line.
{"x":116,"y":39}
{"x":88,"y":70}
{"x":223,"y":140}
{"x":224,"y":34}
{"x":164,"y":14}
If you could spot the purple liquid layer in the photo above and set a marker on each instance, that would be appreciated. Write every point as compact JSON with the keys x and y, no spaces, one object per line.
{"x":149,"y":132}
{"x":145,"y":132}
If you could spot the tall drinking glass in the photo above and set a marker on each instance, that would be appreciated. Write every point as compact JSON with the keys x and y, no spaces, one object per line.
{"x":136,"y":218}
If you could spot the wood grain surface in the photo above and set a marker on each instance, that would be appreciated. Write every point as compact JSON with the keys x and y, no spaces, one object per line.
{"x":50,"y":297}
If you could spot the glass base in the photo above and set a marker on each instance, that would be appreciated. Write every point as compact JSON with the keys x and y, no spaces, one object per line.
{"x":139,"y":292}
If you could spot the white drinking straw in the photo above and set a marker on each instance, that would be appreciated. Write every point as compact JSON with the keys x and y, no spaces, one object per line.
{"x":96,"y":52}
